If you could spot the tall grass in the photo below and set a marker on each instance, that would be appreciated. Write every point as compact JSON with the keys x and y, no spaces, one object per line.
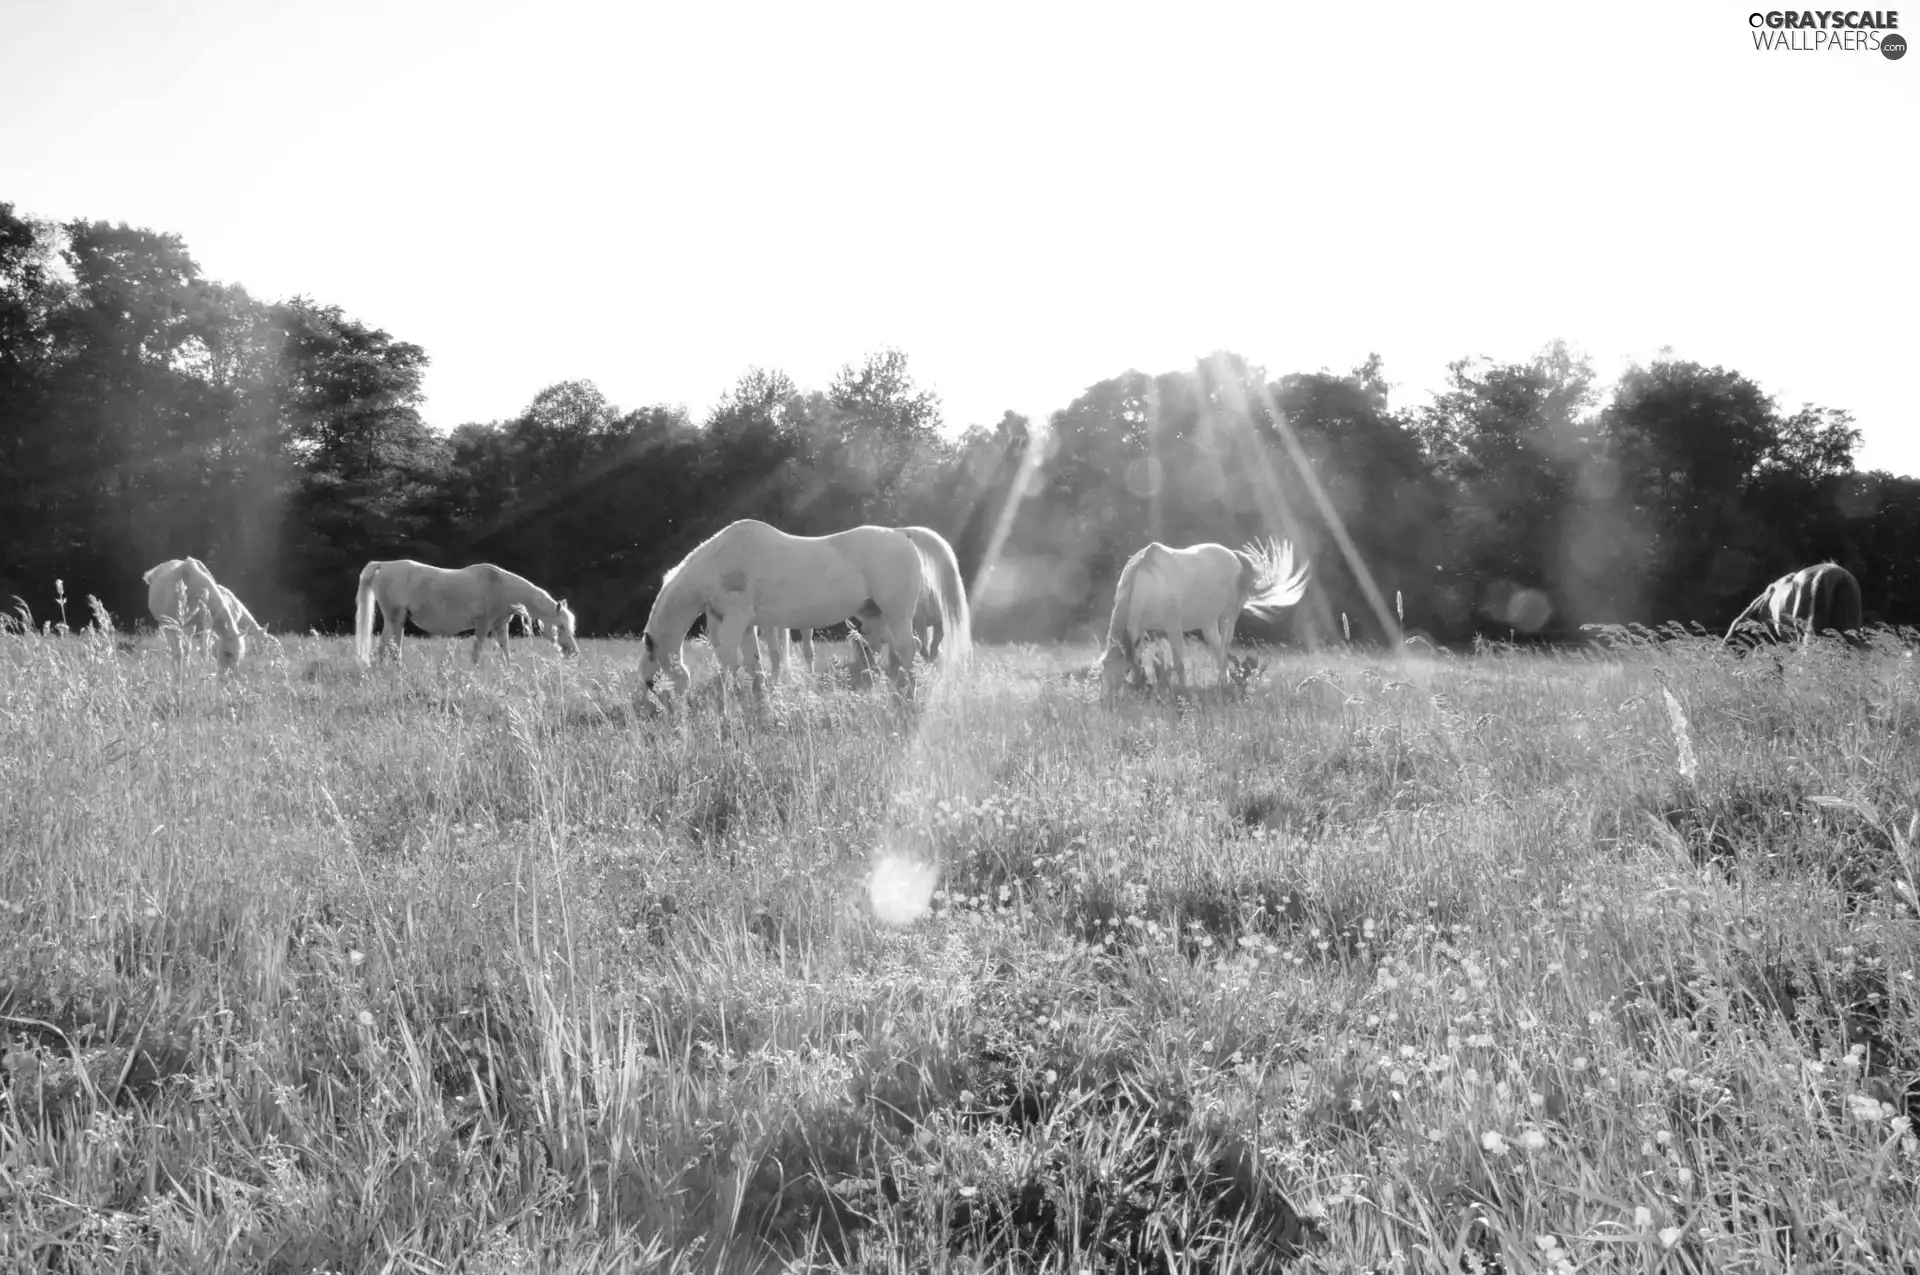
{"x":1503,"y":962}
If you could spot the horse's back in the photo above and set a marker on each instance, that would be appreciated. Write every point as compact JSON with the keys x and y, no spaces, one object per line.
{"x":162,"y":584}
{"x":1205,"y":578}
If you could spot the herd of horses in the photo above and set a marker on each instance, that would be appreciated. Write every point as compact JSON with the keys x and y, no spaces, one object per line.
{"x":899,"y":589}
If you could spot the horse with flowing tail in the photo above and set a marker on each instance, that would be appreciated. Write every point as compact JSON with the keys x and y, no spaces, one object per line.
{"x":1818,"y":599}
{"x":751,"y":574}
{"x":186,"y":601}
{"x":1204,"y":587}
{"x":480,"y":599}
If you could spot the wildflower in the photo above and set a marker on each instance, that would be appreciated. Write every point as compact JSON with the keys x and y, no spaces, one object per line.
{"x":1492,"y":1143}
{"x":1643,"y":1217}
{"x":1866,"y":1109}
{"x":1663,"y":1137}
{"x":1533,"y":1140}
{"x":355,"y":956}
{"x":366,"y":1018}
{"x":1677,"y":1075}
{"x":1670,"y":1235}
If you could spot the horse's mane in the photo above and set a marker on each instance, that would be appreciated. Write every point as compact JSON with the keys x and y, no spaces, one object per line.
{"x":1123,"y":598}
{"x":695,"y":552}
{"x":213,"y":596}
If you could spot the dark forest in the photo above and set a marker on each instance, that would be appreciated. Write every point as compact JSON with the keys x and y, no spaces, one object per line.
{"x":147,"y":412}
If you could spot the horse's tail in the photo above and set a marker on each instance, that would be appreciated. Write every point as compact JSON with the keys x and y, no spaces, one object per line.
{"x":363,"y":614}
{"x":942,"y":571}
{"x":1276,"y":581}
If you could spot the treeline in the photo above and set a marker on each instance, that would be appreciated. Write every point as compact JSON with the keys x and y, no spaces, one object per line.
{"x":147,"y":412}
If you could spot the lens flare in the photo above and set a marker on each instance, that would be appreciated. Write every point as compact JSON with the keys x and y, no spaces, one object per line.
{"x":902,"y":889}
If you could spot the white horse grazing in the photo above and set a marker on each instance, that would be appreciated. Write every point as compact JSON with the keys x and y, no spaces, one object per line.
{"x":1204,"y":587}
{"x":1815,"y":599}
{"x":750,"y":573}
{"x":479,"y":599}
{"x":209,"y":606}
{"x":929,"y":629}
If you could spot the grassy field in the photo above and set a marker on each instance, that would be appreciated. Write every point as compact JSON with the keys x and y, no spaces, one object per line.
{"x":1499,"y":962}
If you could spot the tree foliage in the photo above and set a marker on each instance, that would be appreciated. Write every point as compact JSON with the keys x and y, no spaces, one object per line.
{"x":147,"y":412}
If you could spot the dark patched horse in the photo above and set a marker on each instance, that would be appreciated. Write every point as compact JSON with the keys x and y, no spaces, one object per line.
{"x":1824,"y":598}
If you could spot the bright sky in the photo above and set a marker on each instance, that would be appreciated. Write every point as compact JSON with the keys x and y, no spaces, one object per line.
{"x":1026,"y":198}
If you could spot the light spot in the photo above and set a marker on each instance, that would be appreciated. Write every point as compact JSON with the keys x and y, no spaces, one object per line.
{"x":1528,"y":610}
{"x":902,"y":889}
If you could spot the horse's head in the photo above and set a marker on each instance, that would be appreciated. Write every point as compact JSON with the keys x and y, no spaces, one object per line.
{"x":563,"y":629}
{"x":231,"y":650}
{"x":1114,"y":667}
{"x":653,"y":661}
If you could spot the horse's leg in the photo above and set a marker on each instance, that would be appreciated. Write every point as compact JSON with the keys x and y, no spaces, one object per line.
{"x":806,"y":648}
{"x":900,"y":644}
{"x":1178,"y":642}
{"x":776,"y":658}
{"x":392,"y":621}
{"x":750,"y":654}
{"x":727,"y":645}
{"x":1218,"y":635}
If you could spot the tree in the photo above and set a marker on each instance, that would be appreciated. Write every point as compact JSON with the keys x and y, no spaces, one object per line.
{"x":1513,"y":444}
{"x":34,"y":518}
{"x":370,"y":471}
{"x":1686,"y":443}
{"x":871,"y":442}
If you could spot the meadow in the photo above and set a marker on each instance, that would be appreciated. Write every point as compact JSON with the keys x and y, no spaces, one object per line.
{"x":1502,"y":961}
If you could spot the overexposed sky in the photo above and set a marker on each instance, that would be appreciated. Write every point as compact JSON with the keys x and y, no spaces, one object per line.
{"x":1026,"y":198}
